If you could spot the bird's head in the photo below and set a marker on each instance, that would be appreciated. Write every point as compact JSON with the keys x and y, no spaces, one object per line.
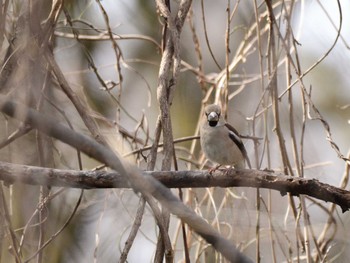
{"x":213,"y":112}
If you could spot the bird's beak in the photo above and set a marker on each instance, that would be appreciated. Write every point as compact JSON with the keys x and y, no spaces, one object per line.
{"x":213,"y":116}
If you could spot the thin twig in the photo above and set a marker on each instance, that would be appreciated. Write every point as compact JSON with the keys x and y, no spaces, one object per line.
{"x":60,"y":230}
{"x":133,"y":232}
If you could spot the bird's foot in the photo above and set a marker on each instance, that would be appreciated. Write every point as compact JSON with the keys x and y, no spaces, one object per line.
{"x":213,"y":169}
{"x":228,"y":170}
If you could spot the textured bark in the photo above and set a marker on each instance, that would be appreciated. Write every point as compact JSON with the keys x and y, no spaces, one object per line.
{"x":11,"y":173}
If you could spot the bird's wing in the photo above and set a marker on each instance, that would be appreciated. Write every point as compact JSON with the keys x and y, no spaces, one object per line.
{"x":234,"y":136}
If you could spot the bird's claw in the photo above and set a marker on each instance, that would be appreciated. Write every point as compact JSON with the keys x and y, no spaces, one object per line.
{"x":213,"y":169}
{"x":227,"y":170}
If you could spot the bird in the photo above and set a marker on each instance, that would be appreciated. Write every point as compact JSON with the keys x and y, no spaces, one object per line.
{"x":220,"y":141}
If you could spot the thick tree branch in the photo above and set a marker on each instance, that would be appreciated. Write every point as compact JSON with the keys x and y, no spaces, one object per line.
{"x":11,"y":173}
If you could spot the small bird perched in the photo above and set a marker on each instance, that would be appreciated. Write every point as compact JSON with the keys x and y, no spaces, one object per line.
{"x":220,"y":141}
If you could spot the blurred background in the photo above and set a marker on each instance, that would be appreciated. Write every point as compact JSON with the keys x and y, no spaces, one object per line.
{"x":118,"y":81}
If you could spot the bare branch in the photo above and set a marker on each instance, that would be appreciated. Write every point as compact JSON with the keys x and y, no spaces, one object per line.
{"x":105,"y":37}
{"x":11,"y":173}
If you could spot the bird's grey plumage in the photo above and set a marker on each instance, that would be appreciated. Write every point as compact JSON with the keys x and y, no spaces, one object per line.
{"x":220,"y":141}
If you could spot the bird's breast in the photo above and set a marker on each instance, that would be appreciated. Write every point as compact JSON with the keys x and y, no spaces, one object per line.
{"x":219,"y":148}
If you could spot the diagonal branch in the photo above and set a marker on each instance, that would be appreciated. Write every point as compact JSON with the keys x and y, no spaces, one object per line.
{"x":147,"y":185}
